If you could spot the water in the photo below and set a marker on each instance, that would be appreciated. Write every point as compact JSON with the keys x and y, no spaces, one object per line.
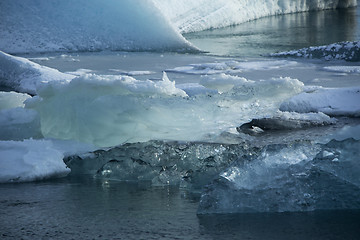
{"x":281,"y":33}
{"x":87,"y":208}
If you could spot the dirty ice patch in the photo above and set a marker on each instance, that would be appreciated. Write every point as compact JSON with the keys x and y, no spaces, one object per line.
{"x":232,"y":67}
{"x":331,"y":101}
{"x":22,"y":75}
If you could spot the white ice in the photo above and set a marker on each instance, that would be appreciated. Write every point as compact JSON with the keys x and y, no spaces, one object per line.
{"x":25,"y":76}
{"x":233,"y":67}
{"x":331,"y":101}
{"x":30,"y":160}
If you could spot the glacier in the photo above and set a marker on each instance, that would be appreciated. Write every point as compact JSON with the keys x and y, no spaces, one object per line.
{"x":190,"y":16}
{"x":130,"y":25}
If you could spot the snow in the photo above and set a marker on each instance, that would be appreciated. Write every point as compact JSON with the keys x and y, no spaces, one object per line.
{"x":331,"y":101}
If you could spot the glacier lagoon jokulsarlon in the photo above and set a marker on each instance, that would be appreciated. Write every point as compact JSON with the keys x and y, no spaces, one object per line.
{"x":295,"y":177}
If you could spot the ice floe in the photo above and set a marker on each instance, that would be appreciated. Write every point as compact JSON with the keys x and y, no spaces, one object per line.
{"x":331,"y":101}
{"x":349,"y":51}
{"x":23,"y":75}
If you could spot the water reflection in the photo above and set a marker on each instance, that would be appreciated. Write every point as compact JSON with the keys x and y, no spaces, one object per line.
{"x":310,"y":225}
{"x":281,"y":33}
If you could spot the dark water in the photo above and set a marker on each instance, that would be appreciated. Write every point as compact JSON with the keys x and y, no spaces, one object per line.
{"x":281,"y":33}
{"x":85,"y":208}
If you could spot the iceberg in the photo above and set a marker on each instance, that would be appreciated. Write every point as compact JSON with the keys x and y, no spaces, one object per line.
{"x":108,"y":110}
{"x":289,"y":178}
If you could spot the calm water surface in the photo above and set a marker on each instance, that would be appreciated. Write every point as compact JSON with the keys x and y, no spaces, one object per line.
{"x":86,"y":208}
{"x":281,"y":33}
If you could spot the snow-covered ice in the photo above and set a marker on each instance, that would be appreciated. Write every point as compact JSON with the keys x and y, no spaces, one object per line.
{"x":30,"y":160}
{"x":331,"y":101}
{"x":233,"y":67}
{"x":349,"y":51}
{"x":23,"y":75}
